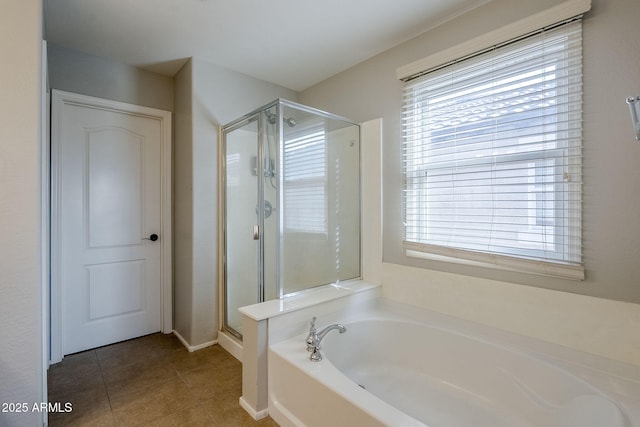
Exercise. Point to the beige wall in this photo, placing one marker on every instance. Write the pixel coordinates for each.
(182, 202)
(218, 96)
(85, 74)
(611, 155)
(21, 315)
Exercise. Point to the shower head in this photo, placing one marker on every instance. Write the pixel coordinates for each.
(271, 118)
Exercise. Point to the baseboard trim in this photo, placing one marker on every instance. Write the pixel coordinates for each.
(231, 344)
(193, 348)
(256, 415)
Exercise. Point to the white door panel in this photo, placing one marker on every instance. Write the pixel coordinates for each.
(110, 196)
(115, 289)
(115, 202)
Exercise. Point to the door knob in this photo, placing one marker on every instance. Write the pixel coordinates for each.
(152, 237)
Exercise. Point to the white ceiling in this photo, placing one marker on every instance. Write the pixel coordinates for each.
(293, 43)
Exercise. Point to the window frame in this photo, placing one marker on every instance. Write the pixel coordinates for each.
(563, 201)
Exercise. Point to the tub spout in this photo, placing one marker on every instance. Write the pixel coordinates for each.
(330, 328)
(314, 338)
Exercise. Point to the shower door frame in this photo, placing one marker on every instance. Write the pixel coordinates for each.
(257, 115)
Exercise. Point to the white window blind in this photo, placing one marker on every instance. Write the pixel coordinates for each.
(492, 157)
(305, 171)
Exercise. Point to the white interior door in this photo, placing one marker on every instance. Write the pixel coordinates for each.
(109, 196)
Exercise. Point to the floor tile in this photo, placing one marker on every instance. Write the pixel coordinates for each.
(133, 351)
(152, 380)
(85, 419)
(152, 402)
(88, 407)
(192, 417)
(133, 378)
(220, 379)
(235, 417)
(183, 360)
(76, 372)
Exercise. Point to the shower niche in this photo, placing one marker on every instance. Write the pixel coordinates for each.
(290, 187)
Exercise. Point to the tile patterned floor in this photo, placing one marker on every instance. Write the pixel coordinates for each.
(150, 381)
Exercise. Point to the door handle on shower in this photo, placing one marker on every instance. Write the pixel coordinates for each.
(256, 232)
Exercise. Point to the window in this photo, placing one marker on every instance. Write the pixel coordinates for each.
(492, 157)
(305, 170)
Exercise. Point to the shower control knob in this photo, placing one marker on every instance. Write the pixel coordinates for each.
(268, 209)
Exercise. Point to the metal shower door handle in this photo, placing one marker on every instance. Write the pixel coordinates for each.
(256, 232)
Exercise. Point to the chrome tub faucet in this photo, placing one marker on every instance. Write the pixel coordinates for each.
(314, 337)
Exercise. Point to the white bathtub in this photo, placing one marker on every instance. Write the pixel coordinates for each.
(397, 366)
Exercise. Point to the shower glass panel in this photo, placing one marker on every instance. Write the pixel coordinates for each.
(291, 191)
(320, 200)
(242, 267)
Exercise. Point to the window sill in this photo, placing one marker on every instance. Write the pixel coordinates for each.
(497, 262)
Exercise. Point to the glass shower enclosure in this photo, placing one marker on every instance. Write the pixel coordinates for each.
(291, 196)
